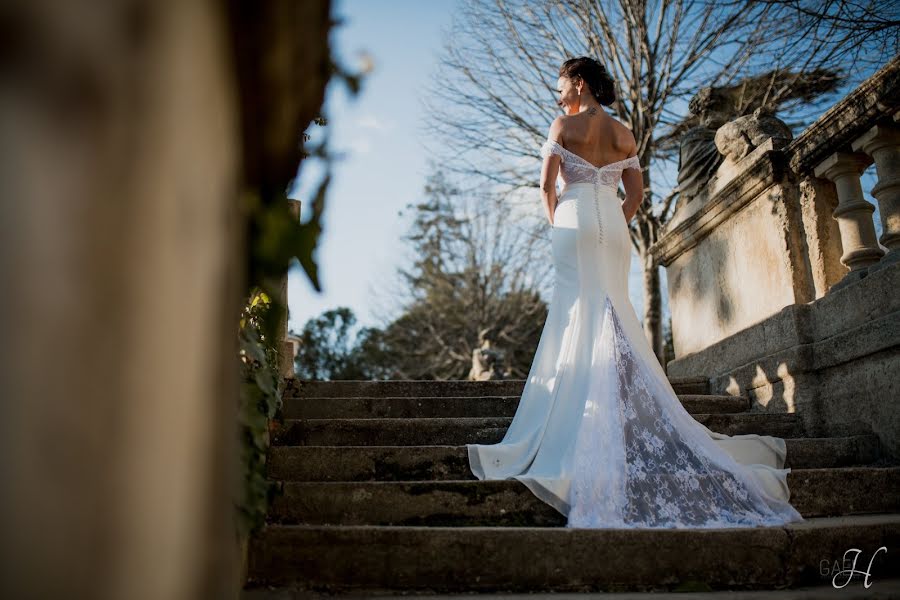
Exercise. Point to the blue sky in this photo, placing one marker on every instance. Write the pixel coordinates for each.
(383, 168)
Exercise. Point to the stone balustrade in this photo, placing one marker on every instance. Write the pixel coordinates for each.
(836, 149)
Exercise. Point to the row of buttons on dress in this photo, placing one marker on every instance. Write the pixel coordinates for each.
(597, 201)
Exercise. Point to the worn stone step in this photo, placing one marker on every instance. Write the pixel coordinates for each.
(460, 406)
(885, 589)
(482, 430)
(534, 559)
(416, 463)
(409, 388)
(388, 407)
(509, 503)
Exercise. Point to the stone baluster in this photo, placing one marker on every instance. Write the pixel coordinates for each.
(853, 213)
(882, 143)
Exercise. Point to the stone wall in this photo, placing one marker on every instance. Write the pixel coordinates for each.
(738, 257)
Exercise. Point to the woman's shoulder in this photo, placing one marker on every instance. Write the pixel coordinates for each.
(624, 135)
(563, 127)
(557, 127)
(620, 126)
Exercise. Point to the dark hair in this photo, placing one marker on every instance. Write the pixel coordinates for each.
(595, 76)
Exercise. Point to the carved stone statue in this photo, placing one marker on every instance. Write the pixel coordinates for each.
(699, 158)
(738, 138)
(486, 361)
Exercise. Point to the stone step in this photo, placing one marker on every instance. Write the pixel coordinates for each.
(510, 504)
(533, 559)
(483, 430)
(460, 406)
(884, 589)
(416, 463)
(509, 387)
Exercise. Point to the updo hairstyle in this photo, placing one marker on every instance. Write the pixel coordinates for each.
(594, 75)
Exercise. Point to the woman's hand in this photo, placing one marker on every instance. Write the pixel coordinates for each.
(548, 201)
(630, 207)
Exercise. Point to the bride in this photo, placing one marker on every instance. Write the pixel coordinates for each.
(599, 433)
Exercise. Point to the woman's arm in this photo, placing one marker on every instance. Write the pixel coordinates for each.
(633, 182)
(549, 197)
(549, 172)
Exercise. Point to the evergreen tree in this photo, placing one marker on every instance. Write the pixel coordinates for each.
(328, 348)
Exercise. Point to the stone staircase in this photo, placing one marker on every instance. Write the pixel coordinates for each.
(377, 496)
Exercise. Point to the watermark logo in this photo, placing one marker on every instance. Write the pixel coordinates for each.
(846, 569)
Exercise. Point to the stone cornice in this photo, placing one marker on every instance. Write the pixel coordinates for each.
(876, 98)
(767, 170)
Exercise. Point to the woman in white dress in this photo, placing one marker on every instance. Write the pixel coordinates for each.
(599, 433)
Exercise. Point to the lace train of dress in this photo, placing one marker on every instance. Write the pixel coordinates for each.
(599, 433)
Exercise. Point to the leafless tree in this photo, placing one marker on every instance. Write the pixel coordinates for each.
(493, 98)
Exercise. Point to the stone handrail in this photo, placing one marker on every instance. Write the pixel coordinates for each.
(876, 97)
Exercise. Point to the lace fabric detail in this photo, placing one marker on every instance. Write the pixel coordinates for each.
(577, 170)
(668, 480)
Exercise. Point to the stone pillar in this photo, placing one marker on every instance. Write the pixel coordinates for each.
(882, 143)
(818, 199)
(286, 348)
(853, 213)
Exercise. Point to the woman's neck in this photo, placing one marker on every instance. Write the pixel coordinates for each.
(591, 109)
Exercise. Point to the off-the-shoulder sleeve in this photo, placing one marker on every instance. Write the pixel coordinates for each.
(631, 162)
(551, 147)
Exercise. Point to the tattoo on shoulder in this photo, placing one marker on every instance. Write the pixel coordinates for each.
(592, 111)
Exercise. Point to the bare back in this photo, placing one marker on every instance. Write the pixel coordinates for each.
(598, 138)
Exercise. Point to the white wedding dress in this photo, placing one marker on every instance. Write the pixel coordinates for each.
(599, 433)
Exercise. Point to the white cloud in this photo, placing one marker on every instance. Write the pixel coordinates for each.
(360, 145)
(373, 122)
